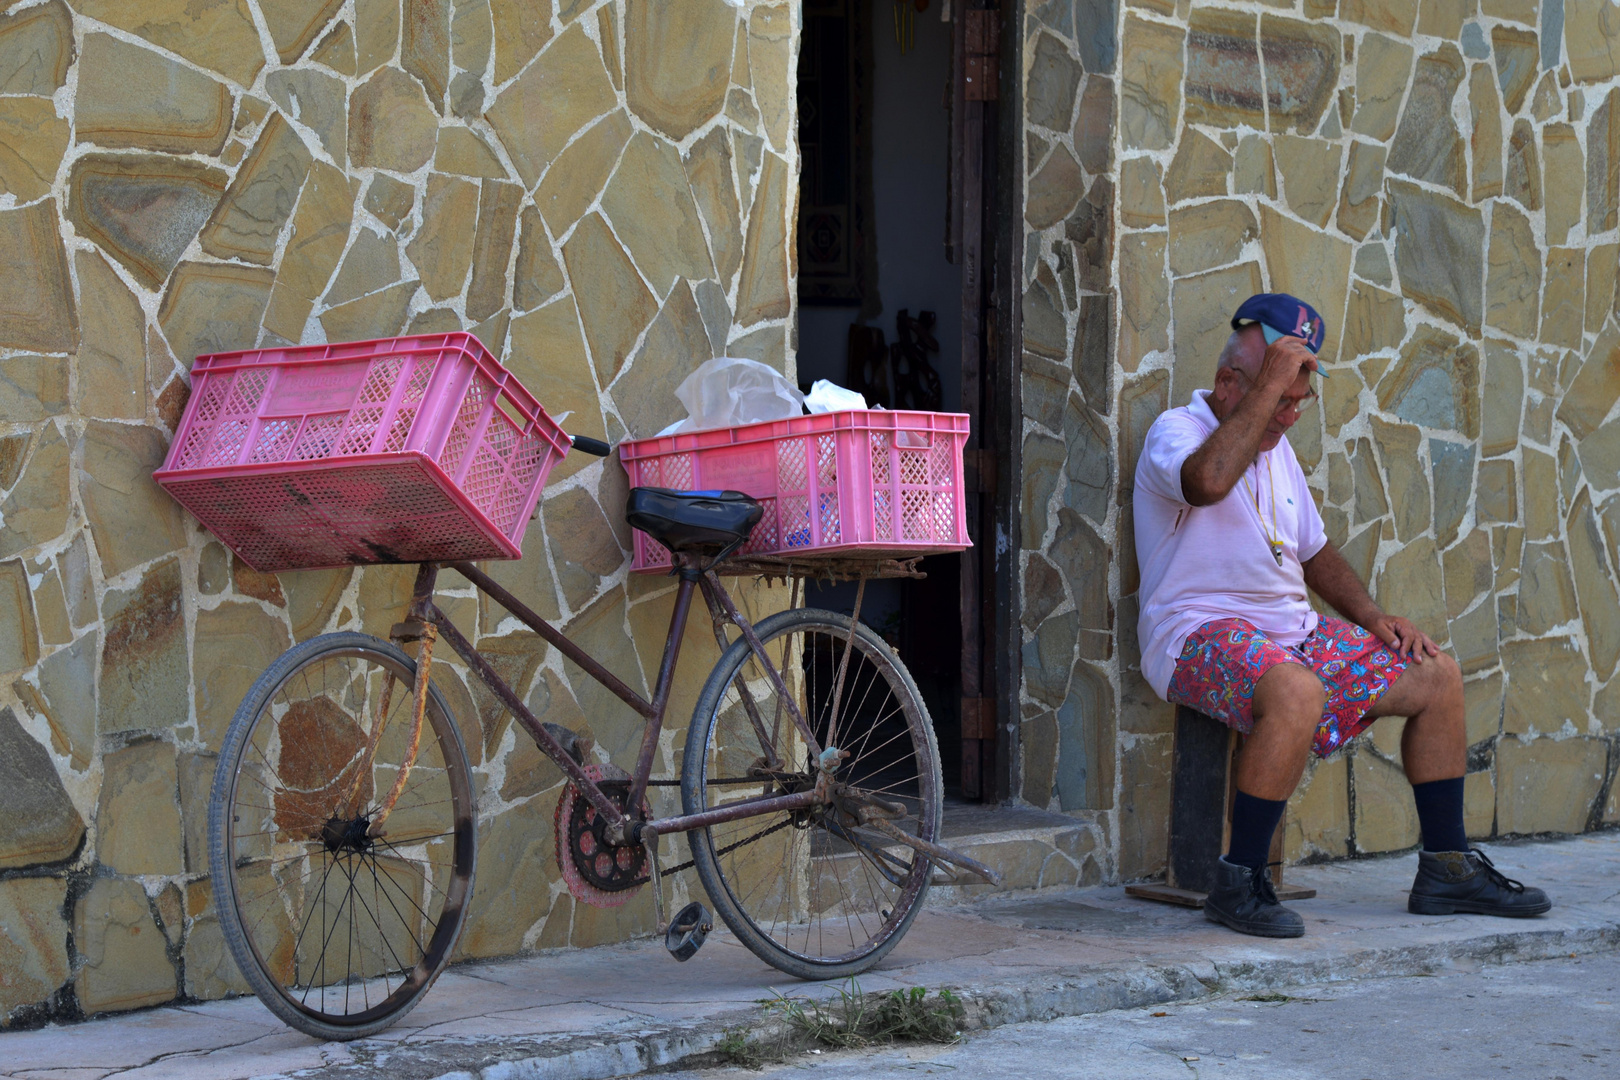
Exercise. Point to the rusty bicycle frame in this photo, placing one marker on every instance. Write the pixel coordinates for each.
(425, 622)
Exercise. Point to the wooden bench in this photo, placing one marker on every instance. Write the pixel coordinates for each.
(1201, 794)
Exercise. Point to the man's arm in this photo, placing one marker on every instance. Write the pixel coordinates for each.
(1215, 468)
(1332, 578)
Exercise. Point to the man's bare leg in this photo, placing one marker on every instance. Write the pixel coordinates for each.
(1287, 706)
(1434, 745)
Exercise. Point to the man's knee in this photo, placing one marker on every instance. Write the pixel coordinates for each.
(1291, 693)
(1437, 678)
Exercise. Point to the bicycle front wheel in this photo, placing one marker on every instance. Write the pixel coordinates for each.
(339, 922)
(807, 891)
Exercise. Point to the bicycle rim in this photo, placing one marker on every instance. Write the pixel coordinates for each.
(806, 892)
(340, 932)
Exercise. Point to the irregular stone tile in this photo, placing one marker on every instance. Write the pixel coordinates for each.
(548, 350)
(248, 221)
(1310, 171)
(1358, 200)
(1223, 81)
(1202, 309)
(1546, 685)
(1374, 321)
(607, 33)
(1305, 262)
(1052, 80)
(465, 154)
(1144, 804)
(1370, 503)
(1547, 102)
(379, 315)
(216, 34)
(492, 246)
(33, 941)
(1383, 69)
(1093, 30)
(675, 344)
(390, 123)
(1039, 483)
(1150, 84)
(1144, 294)
(1603, 166)
(522, 28)
(256, 583)
(137, 818)
(1504, 397)
(770, 57)
(1513, 274)
(678, 62)
(133, 97)
(1546, 593)
(1468, 574)
(1048, 657)
(1086, 465)
(37, 508)
(1302, 71)
(1090, 228)
(1201, 167)
(33, 139)
(1593, 567)
(143, 210)
(1564, 301)
(1210, 234)
(36, 49)
(312, 598)
(553, 98)
(144, 677)
(389, 200)
(1386, 819)
(1438, 251)
(1485, 134)
(20, 650)
(372, 264)
(1054, 190)
(1497, 501)
(614, 303)
(33, 388)
(425, 46)
(320, 229)
(1252, 171)
(762, 290)
(1596, 386)
(1600, 457)
(1141, 194)
(709, 173)
(213, 307)
(583, 546)
(133, 520)
(1601, 273)
(1086, 737)
(315, 100)
(1435, 383)
(336, 50)
(234, 644)
(1393, 16)
(650, 204)
(748, 150)
(124, 954)
(36, 295)
(1548, 785)
(1043, 589)
(38, 822)
(1412, 584)
(1514, 54)
(1590, 41)
(443, 247)
(1399, 446)
(1094, 126)
(1523, 181)
(1427, 144)
(536, 276)
(1045, 328)
(528, 771)
(1453, 465)
(580, 171)
(112, 351)
(1092, 362)
(1562, 154)
(1443, 18)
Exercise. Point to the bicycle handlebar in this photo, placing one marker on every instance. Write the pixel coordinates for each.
(591, 446)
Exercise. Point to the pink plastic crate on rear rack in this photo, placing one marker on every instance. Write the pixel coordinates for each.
(841, 483)
(409, 449)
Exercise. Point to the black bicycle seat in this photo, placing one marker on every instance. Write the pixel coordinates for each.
(693, 521)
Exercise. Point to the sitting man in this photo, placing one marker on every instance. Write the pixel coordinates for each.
(1228, 538)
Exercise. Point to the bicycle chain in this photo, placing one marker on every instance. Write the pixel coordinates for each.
(689, 863)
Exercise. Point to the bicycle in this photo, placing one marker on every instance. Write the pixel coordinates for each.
(343, 813)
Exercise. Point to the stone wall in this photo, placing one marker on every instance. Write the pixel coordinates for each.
(1441, 178)
(602, 190)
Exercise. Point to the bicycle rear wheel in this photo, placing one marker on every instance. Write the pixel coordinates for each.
(340, 932)
(807, 892)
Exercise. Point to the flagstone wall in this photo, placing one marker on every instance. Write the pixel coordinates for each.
(1441, 179)
(602, 190)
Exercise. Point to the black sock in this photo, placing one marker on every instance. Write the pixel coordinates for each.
(1440, 813)
(1254, 820)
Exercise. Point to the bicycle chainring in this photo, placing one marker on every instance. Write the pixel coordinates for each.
(596, 871)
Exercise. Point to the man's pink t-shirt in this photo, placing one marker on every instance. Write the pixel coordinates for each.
(1201, 563)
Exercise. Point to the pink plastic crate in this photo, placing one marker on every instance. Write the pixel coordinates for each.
(410, 449)
(865, 480)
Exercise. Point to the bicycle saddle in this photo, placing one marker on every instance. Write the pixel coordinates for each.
(695, 521)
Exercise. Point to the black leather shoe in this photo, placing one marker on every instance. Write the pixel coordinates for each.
(1465, 882)
(1244, 900)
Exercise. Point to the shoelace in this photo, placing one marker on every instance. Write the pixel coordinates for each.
(1263, 890)
(1496, 876)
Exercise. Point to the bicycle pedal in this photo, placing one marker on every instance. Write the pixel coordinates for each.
(688, 930)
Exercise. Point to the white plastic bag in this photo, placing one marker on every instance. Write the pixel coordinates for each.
(826, 396)
(729, 391)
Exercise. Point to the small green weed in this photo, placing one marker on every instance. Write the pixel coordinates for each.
(855, 1019)
(735, 1048)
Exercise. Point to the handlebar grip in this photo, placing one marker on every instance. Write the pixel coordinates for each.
(591, 446)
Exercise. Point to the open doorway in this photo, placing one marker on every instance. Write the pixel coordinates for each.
(880, 299)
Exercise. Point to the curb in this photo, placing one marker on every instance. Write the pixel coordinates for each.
(600, 1057)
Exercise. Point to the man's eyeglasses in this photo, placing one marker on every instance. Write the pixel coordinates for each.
(1298, 406)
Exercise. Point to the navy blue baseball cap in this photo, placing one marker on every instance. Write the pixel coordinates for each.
(1281, 315)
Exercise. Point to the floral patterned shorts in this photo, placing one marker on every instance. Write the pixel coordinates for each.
(1223, 660)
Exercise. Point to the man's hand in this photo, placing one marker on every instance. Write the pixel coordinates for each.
(1281, 364)
(1407, 640)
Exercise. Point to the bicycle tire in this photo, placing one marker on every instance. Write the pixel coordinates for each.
(290, 744)
(768, 923)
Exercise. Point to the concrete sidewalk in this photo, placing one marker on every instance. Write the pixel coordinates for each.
(616, 1011)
